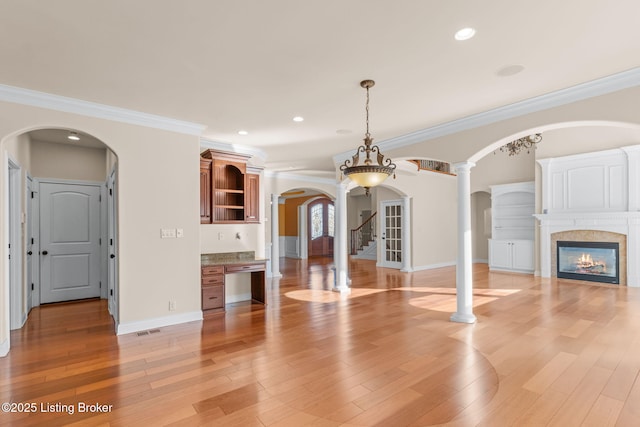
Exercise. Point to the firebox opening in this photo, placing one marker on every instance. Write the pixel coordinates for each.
(593, 261)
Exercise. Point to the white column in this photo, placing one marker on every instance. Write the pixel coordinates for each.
(340, 242)
(275, 238)
(464, 276)
(406, 234)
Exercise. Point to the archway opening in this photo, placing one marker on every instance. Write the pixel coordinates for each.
(67, 202)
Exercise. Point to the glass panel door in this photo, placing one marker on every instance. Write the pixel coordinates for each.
(392, 234)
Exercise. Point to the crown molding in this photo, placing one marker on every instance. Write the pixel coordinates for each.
(65, 104)
(232, 148)
(298, 177)
(579, 92)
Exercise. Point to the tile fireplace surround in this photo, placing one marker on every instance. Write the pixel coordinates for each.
(592, 197)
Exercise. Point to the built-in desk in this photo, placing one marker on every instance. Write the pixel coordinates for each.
(213, 269)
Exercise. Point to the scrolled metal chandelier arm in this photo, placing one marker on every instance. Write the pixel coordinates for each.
(525, 143)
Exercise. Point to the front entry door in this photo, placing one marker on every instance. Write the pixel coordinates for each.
(69, 237)
(391, 224)
(321, 227)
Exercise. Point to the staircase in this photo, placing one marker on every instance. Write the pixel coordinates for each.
(363, 240)
(369, 251)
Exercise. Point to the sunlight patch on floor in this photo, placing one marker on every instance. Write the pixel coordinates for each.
(446, 303)
(319, 295)
(441, 299)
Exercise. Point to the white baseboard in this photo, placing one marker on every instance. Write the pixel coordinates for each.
(4, 348)
(432, 266)
(158, 322)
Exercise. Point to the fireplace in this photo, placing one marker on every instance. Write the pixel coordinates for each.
(593, 261)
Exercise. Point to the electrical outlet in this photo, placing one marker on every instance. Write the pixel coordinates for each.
(179, 233)
(220, 236)
(172, 306)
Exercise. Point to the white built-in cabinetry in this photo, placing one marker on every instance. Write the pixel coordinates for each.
(512, 227)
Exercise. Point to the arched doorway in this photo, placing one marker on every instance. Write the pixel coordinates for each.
(294, 222)
(68, 192)
(321, 227)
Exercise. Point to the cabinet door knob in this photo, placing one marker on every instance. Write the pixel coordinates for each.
(112, 256)
(44, 252)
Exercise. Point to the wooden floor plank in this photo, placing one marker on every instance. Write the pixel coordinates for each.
(543, 353)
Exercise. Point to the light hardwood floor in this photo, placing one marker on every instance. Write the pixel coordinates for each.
(543, 353)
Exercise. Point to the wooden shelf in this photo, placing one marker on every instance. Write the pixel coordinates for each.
(228, 192)
(229, 207)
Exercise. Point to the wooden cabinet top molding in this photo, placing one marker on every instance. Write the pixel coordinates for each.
(224, 155)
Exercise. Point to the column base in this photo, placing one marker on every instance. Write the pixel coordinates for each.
(463, 318)
(342, 291)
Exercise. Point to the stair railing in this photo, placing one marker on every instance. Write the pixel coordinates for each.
(364, 234)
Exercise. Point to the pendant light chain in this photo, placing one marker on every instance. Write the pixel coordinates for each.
(368, 135)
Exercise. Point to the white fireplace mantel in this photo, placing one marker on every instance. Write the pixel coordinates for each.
(594, 191)
(627, 223)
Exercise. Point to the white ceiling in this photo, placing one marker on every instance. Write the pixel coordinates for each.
(253, 65)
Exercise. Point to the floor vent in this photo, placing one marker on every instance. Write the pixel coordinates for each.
(154, 331)
(141, 333)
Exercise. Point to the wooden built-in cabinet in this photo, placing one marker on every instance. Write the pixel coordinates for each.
(212, 288)
(228, 193)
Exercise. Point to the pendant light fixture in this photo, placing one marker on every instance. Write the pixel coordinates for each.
(367, 173)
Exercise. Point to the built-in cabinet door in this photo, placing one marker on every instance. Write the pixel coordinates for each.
(500, 254)
(522, 252)
(512, 255)
(252, 198)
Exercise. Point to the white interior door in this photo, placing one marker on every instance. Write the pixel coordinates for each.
(69, 241)
(30, 241)
(16, 287)
(391, 233)
(112, 247)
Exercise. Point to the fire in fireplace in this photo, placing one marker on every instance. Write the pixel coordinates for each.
(594, 261)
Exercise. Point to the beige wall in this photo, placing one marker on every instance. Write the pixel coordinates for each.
(474, 143)
(480, 203)
(433, 215)
(158, 188)
(66, 161)
(500, 168)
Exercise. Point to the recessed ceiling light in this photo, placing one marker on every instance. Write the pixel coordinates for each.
(73, 136)
(465, 33)
(243, 132)
(298, 119)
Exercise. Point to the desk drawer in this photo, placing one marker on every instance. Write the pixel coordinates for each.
(241, 268)
(218, 279)
(211, 270)
(213, 297)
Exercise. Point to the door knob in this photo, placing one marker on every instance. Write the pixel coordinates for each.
(44, 252)
(30, 253)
